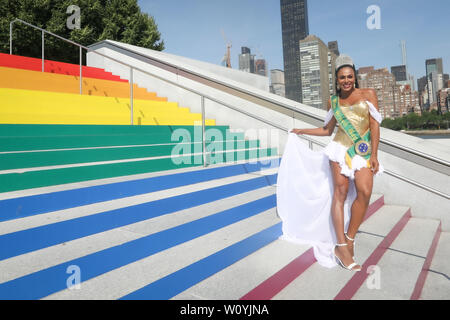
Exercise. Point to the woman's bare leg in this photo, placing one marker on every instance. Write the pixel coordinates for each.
(363, 184)
(341, 183)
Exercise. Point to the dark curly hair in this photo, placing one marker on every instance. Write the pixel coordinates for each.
(338, 91)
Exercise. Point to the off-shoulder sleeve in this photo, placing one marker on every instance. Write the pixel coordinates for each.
(374, 112)
(328, 117)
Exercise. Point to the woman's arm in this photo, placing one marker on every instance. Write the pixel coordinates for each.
(326, 130)
(374, 131)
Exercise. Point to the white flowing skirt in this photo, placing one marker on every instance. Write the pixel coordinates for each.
(304, 195)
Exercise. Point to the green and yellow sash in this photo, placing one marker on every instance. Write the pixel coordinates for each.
(361, 145)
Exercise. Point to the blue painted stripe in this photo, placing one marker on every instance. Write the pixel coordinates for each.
(45, 282)
(20, 242)
(181, 280)
(37, 204)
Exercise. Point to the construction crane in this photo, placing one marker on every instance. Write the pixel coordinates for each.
(227, 57)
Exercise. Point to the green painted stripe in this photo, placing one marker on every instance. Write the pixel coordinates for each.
(35, 179)
(52, 158)
(25, 130)
(64, 137)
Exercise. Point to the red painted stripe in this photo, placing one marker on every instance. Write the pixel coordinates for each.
(34, 64)
(273, 285)
(426, 266)
(352, 286)
(277, 282)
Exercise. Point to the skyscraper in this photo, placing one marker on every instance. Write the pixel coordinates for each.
(277, 82)
(434, 73)
(333, 53)
(316, 64)
(434, 65)
(294, 24)
(422, 89)
(245, 50)
(261, 67)
(334, 47)
(246, 60)
(399, 73)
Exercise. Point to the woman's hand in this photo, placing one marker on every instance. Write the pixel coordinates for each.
(297, 131)
(374, 165)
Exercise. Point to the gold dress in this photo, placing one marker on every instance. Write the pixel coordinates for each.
(359, 116)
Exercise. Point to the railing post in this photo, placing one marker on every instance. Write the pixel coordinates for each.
(310, 144)
(203, 132)
(43, 50)
(81, 70)
(131, 94)
(10, 36)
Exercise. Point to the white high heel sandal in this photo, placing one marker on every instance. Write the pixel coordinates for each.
(354, 244)
(350, 267)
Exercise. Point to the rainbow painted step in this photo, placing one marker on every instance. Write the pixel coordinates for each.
(39, 107)
(13, 78)
(28, 137)
(44, 155)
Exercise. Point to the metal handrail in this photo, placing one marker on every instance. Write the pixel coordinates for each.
(418, 184)
(204, 96)
(43, 45)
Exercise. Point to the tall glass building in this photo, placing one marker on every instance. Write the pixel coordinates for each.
(246, 60)
(434, 70)
(399, 73)
(433, 65)
(294, 24)
(315, 78)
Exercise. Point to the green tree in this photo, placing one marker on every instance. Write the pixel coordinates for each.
(119, 20)
(413, 121)
(429, 120)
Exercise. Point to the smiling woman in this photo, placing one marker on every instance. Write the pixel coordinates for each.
(322, 197)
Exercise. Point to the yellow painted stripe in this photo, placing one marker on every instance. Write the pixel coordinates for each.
(39, 107)
(98, 120)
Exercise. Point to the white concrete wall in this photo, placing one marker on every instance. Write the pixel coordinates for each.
(422, 202)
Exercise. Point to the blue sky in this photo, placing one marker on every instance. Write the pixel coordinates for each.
(192, 28)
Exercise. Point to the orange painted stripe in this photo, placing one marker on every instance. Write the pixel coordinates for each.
(44, 81)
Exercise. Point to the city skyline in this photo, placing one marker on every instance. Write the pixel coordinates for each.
(257, 25)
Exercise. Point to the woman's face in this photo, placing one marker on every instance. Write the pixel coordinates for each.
(346, 79)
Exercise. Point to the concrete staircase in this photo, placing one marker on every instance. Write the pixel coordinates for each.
(201, 233)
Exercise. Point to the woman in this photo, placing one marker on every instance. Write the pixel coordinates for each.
(352, 158)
